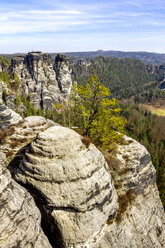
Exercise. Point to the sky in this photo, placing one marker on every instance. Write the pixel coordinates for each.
(81, 25)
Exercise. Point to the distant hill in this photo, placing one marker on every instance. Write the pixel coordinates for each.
(146, 57)
(125, 77)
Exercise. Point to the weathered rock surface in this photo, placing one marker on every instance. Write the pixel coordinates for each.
(8, 116)
(40, 81)
(63, 74)
(73, 188)
(140, 221)
(73, 182)
(17, 135)
(20, 219)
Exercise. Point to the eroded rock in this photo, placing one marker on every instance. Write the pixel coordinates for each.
(74, 191)
(15, 137)
(63, 74)
(38, 79)
(140, 221)
(8, 116)
(71, 182)
(20, 219)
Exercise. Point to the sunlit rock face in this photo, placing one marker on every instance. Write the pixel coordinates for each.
(72, 185)
(8, 116)
(63, 74)
(73, 182)
(140, 221)
(20, 219)
(39, 79)
(17, 135)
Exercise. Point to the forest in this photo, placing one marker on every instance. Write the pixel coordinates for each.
(126, 78)
(133, 84)
(149, 130)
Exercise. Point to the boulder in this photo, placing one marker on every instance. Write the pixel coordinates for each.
(71, 184)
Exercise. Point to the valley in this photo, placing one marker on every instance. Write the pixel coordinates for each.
(156, 110)
(85, 159)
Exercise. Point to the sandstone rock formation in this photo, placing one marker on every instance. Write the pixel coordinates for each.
(40, 81)
(71, 182)
(73, 187)
(63, 74)
(140, 221)
(20, 132)
(20, 219)
(8, 116)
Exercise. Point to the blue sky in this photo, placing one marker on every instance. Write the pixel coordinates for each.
(63, 26)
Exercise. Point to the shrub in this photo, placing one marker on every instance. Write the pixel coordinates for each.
(124, 201)
(86, 141)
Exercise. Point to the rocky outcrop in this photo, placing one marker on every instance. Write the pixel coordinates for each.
(20, 219)
(39, 80)
(73, 187)
(8, 116)
(71, 182)
(15, 137)
(63, 74)
(140, 221)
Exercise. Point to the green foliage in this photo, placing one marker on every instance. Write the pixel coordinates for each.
(30, 109)
(4, 95)
(16, 83)
(100, 118)
(94, 113)
(149, 130)
(125, 77)
(17, 100)
(4, 61)
(13, 82)
(5, 77)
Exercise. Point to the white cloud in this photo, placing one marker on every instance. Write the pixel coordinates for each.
(114, 22)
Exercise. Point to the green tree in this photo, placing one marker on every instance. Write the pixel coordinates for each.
(96, 114)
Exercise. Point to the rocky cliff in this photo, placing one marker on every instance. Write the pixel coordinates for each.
(86, 199)
(19, 217)
(74, 189)
(39, 79)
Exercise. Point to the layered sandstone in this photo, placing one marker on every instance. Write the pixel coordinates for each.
(40, 81)
(73, 187)
(20, 219)
(73, 182)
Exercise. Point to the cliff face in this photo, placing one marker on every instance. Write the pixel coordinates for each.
(76, 190)
(86, 199)
(19, 217)
(63, 75)
(45, 83)
(7, 116)
(73, 187)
